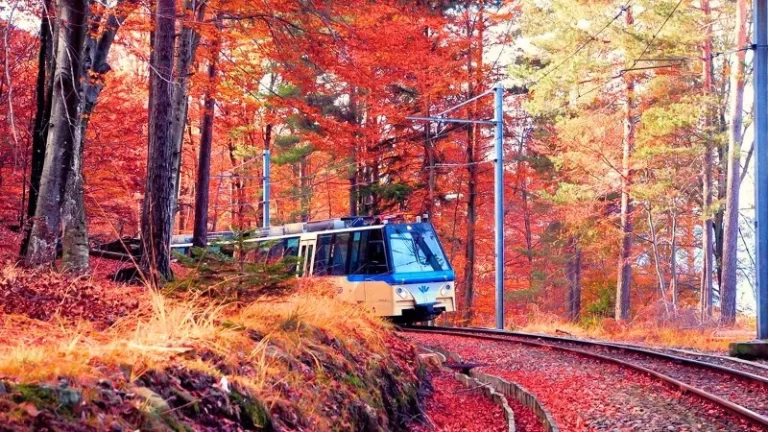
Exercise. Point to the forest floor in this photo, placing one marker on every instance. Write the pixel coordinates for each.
(89, 354)
(585, 394)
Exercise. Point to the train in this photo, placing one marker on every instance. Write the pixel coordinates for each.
(398, 270)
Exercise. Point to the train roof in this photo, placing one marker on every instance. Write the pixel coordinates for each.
(353, 223)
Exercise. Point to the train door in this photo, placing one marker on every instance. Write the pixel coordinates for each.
(307, 256)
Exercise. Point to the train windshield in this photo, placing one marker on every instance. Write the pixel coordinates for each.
(415, 248)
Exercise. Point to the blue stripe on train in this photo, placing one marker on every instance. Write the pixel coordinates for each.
(406, 278)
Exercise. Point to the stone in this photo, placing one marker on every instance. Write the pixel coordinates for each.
(3, 389)
(431, 361)
(155, 401)
(110, 397)
(68, 396)
(751, 350)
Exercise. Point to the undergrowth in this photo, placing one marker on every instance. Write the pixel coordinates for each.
(682, 330)
(296, 362)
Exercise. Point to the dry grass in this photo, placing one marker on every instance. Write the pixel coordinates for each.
(685, 335)
(34, 351)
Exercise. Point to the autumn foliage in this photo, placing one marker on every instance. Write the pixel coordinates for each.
(327, 86)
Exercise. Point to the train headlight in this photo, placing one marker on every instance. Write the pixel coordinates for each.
(402, 293)
(445, 290)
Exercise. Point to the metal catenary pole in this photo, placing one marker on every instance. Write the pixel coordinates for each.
(498, 201)
(498, 123)
(761, 163)
(266, 189)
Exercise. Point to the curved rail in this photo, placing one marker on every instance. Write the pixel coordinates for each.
(498, 336)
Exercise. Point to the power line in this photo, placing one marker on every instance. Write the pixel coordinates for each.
(648, 45)
(583, 45)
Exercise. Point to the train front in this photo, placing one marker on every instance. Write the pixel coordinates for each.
(421, 279)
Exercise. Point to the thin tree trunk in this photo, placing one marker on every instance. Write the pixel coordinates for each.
(673, 259)
(573, 274)
(730, 241)
(200, 234)
(304, 188)
(189, 39)
(657, 258)
(429, 160)
(526, 211)
(44, 92)
(474, 78)
(624, 279)
(156, 220)
(237, 197)
(353, 186)
(71, 32)
(469, 251)
(706, 175)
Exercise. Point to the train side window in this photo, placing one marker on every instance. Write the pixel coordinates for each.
(291, 247)
(375, 254)
(276, 252)
(260, 252)
(340, 254)
(303, 260)
(322, 254)
(307, 263)
(357, 254)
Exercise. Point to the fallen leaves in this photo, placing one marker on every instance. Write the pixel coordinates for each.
(45, 295)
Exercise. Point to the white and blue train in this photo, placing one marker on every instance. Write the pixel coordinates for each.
(398, 270)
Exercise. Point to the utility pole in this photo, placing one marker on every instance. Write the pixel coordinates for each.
(498, 201)
(265, 207)
(498, 188)
(761, 163)
(759, 348)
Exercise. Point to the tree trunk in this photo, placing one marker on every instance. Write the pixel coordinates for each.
(156, 218)
(673, 259)
(200, 235)
(474, 78)
(469, 251)
(624, 279)
(429, 165)
(573, 274)
(237, 191)
(74, 239)
(74, 223)
(706, 175)
(189, 39)
(304, 189)
(657, 258)
(526, 210)
(71, 32)
(353, 186)
(731, 231)
(46, 65)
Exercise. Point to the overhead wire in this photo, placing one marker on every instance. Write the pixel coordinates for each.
(591, 39)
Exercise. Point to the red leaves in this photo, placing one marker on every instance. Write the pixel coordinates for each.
(44, 295)
(453, 407)
(586, 394)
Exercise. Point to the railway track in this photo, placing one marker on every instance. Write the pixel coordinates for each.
(737, 386)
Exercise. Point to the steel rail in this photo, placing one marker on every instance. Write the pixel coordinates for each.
(497, 336)
(616, 346)
(715, 356)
